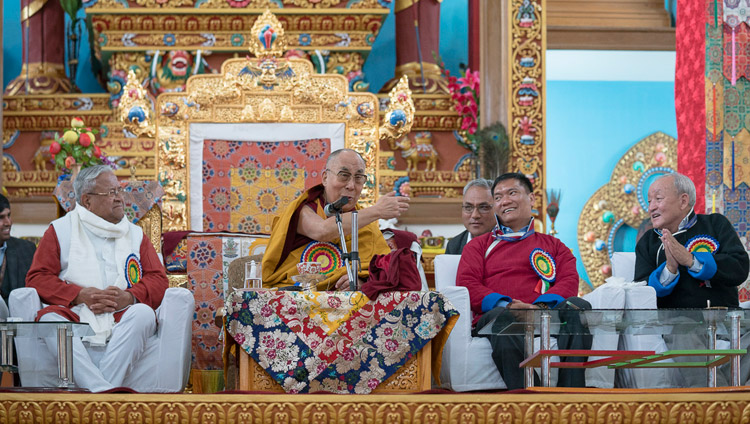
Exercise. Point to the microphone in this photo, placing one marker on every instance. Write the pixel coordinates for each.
(332, 209)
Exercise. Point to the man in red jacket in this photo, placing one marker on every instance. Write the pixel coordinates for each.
(94, 266)
(514, 268)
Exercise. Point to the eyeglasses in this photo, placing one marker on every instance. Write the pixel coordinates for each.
(344, 177)
(483, 208)
(112, 193)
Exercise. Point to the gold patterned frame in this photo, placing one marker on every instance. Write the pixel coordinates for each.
(269, 89)
(622, 201)
(547, 405)
(527, 44)
(228, 98)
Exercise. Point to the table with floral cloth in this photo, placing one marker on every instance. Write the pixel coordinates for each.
(338, 342)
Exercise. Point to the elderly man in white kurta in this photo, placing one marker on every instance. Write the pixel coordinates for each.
(94, 266)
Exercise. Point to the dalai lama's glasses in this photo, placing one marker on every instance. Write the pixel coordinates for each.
(112, 193)
(344, 177)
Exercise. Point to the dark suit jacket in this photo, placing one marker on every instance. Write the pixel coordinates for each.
(456, 244)
(18, 256)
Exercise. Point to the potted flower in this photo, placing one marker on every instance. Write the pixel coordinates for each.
(76, 148)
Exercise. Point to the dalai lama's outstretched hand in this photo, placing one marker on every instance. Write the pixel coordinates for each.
(392, 206)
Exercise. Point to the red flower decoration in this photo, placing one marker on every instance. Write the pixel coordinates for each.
(464, 92)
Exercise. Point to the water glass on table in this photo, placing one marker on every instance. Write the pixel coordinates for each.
(253, 275)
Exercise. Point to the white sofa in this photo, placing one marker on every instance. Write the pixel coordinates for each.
(467, 361)
(171, 345)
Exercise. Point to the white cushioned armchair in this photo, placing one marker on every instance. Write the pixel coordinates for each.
(171, 344)
(467, 361)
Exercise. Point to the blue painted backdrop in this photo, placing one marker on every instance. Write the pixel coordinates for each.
(590, 125)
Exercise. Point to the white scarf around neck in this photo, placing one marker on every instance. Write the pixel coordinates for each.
(85, 268)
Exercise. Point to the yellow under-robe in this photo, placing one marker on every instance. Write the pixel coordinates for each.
(277, 271)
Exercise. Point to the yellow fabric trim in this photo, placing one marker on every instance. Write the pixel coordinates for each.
(207, 381)
(329, 319)
(371, 242)
(31, 9)
(438, 342)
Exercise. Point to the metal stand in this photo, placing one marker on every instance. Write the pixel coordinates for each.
(545, 345)
(6, 350)
(528, 351)
(351, 259)
(545, 321)
(65, 355)
(735, 344)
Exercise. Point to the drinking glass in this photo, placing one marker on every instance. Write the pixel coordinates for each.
(253, 275)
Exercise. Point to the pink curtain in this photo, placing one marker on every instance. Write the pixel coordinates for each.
(690, 105)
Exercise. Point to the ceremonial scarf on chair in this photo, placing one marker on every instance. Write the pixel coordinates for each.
(84, 267)
(285, 246)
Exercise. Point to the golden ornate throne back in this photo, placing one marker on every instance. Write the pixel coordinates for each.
(237, 146)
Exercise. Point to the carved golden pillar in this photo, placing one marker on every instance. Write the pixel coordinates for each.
(512, 52)
(43, 69)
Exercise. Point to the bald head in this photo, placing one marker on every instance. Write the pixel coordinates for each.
(333, 157)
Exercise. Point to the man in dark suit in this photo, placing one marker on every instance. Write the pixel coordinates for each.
(15, 254)
(476, 214)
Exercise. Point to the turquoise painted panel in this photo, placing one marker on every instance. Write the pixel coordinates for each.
(590, 125)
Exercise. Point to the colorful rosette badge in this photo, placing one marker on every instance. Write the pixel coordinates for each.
(545, 268)
(702, 243)
(327, 254)
(133, 270)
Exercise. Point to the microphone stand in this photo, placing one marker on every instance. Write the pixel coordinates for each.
(351, 260)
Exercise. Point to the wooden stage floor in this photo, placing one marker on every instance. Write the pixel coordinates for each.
(722, 405)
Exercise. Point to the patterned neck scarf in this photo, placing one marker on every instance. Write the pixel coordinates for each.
(501, 232)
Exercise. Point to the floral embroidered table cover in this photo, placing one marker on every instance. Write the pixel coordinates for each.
(338, 342)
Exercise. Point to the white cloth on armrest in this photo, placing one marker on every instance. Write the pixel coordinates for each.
(606, 296)
(641, 296)
(623, 265)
